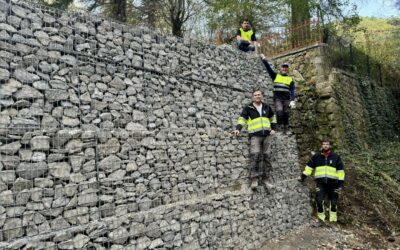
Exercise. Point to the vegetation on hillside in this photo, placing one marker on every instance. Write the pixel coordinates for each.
(372, 189)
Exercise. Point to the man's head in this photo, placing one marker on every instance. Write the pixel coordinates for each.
(257, 96)
(326, 145)
(246, 24)
(284, 68)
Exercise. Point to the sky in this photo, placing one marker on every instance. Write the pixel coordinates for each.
(376, 8)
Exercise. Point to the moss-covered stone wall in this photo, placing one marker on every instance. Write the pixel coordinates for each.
(352, 110)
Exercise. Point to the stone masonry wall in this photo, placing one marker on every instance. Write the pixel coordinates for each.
(113, 137)
(351, 109)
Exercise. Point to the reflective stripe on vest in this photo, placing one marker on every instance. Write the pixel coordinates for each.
(308, 171)
(327, 172)
(282, 83)
(241, 121)
(246, 35)
(258, 124)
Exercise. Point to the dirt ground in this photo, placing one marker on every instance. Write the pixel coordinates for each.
(332, 236)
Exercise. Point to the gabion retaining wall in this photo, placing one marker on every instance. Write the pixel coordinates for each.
(114, 137)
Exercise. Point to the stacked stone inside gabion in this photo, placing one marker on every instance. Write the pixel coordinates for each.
(114, 137)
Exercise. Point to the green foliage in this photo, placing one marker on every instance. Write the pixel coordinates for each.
(226, 15)
(372, 192)
(59, 4)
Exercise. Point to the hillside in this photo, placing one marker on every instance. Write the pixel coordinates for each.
(368, 210)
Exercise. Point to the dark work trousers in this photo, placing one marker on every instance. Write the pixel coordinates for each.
(245, 46)
(329, 190)
(260, 150)
(282, 111)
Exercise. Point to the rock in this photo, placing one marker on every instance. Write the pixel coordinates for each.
(7, 176)
(25, 77)
(12, 229)
(7, 198)
(19, 11)
(59, 224)
(70, 122)
(81, 27)
(117, 83)
(43, 37)
(138, 116)
(155, 184)
(40, 143)
(144, 204)
(74, 146)
(153, 230)
(60, 170)
(88, 199)
(80, 241)
(7, 27)
(143, 243)
(117, 175)
(43, 183)
(156, 243)
(112, 146)
(10, 148)
(4, 74)
(70, 60)
(30, 171)
(65, 135)
(119, 235)
(28, 92)
(110, 163)
(38, 156)
(54, 95)
(136, 129)
(159, 113)
(131, 166)
(62, 236)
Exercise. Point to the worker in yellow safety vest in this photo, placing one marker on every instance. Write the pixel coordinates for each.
(246, 37)
(284, 93)
(329, 175)
(260, 121)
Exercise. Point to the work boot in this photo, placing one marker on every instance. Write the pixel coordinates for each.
(254, 184)
(321, 216)
(332, 216)
(285, 129)
(279, 128)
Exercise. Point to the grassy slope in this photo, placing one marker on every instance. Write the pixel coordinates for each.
(372, 190)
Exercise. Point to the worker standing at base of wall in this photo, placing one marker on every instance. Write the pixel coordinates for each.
(284, 93)
(329, 175)
(260, 121)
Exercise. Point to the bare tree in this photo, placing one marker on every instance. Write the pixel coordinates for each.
(176, 13)
(115, 9)
(148, 11)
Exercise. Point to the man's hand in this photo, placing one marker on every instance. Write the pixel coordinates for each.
(292, 104)
(235, 132)
(263, 57)
(272, 132)
(302, 178)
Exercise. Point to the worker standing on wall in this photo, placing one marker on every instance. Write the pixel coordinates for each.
(329, 175)
(260, 121)
(284, 93)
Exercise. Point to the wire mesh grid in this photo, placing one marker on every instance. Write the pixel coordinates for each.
(108, 142)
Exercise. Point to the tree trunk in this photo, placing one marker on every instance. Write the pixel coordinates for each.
(120, 10)
(300, 26)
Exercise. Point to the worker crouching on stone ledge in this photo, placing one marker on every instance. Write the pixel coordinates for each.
(260, 121)
(329, 175)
